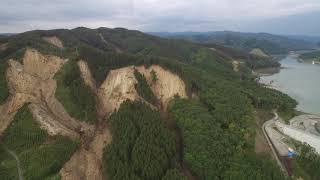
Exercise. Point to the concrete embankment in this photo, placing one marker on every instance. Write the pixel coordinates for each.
(300, 135)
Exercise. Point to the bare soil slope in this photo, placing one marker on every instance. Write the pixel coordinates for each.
(32, 82)
(119, 86)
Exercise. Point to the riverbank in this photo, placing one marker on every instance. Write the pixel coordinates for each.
(309, 61)
(298, 80)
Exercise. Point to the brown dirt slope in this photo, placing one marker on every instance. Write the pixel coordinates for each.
(32, 82)
(120, 86)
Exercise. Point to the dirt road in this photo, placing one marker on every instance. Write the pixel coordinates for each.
(13, 154)
(274, 141)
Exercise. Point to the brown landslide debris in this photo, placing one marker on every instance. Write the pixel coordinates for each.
(120, 86)
(32, 82)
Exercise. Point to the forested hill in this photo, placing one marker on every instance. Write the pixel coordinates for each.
(269, 43)
(120, 104)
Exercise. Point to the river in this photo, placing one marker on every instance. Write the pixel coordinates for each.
(300, 81)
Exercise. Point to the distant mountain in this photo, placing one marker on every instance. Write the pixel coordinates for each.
(312, 39)
(269, 43)
(7, 34)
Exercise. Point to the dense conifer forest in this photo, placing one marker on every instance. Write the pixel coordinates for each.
(216, 122)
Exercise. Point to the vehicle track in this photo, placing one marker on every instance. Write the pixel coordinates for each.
(274, 150)
(14, 155)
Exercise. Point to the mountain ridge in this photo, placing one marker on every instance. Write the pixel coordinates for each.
(138, 106)
(246, 41)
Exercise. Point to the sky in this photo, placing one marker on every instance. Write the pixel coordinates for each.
(299, 17)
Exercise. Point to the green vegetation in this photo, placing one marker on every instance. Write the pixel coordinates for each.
(173, 174)
(75, 96)
(269, 99)
(142, 147)
(311, 55)
(218, 128)
(40, 156)
(308, 161)
(250, 60)
(271, 44)
(143, 88)
(205, 59)
(154, 76)
(201, 134)
(249, 166)
(4, 92)
(216, 151)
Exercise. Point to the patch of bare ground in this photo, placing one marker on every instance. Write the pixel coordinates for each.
(236, 65)
(32, 82)
(87, 76)
(119, 86)
(3, 46)
(87, 163)
(54, 41)
(166, 85)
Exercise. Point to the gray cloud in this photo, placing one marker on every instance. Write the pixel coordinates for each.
(147, 15)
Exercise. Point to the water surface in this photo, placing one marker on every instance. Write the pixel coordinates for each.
(300, 81)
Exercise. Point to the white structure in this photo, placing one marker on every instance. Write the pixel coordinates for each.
(300, 135)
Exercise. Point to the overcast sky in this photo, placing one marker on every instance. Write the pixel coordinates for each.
(274, 16)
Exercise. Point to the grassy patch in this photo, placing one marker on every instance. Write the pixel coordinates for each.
(76, 97)
(40, 156)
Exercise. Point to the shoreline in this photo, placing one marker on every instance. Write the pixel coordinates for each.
(271, 85)
(267, 71)
(309, 61)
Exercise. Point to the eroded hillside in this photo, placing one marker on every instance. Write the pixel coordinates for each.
(32, 81)
(103, 104)
(119, 86)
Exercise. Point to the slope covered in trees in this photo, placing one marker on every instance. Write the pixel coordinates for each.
(216, 121)
(215, 150)
(142, 147)
(40, 155)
